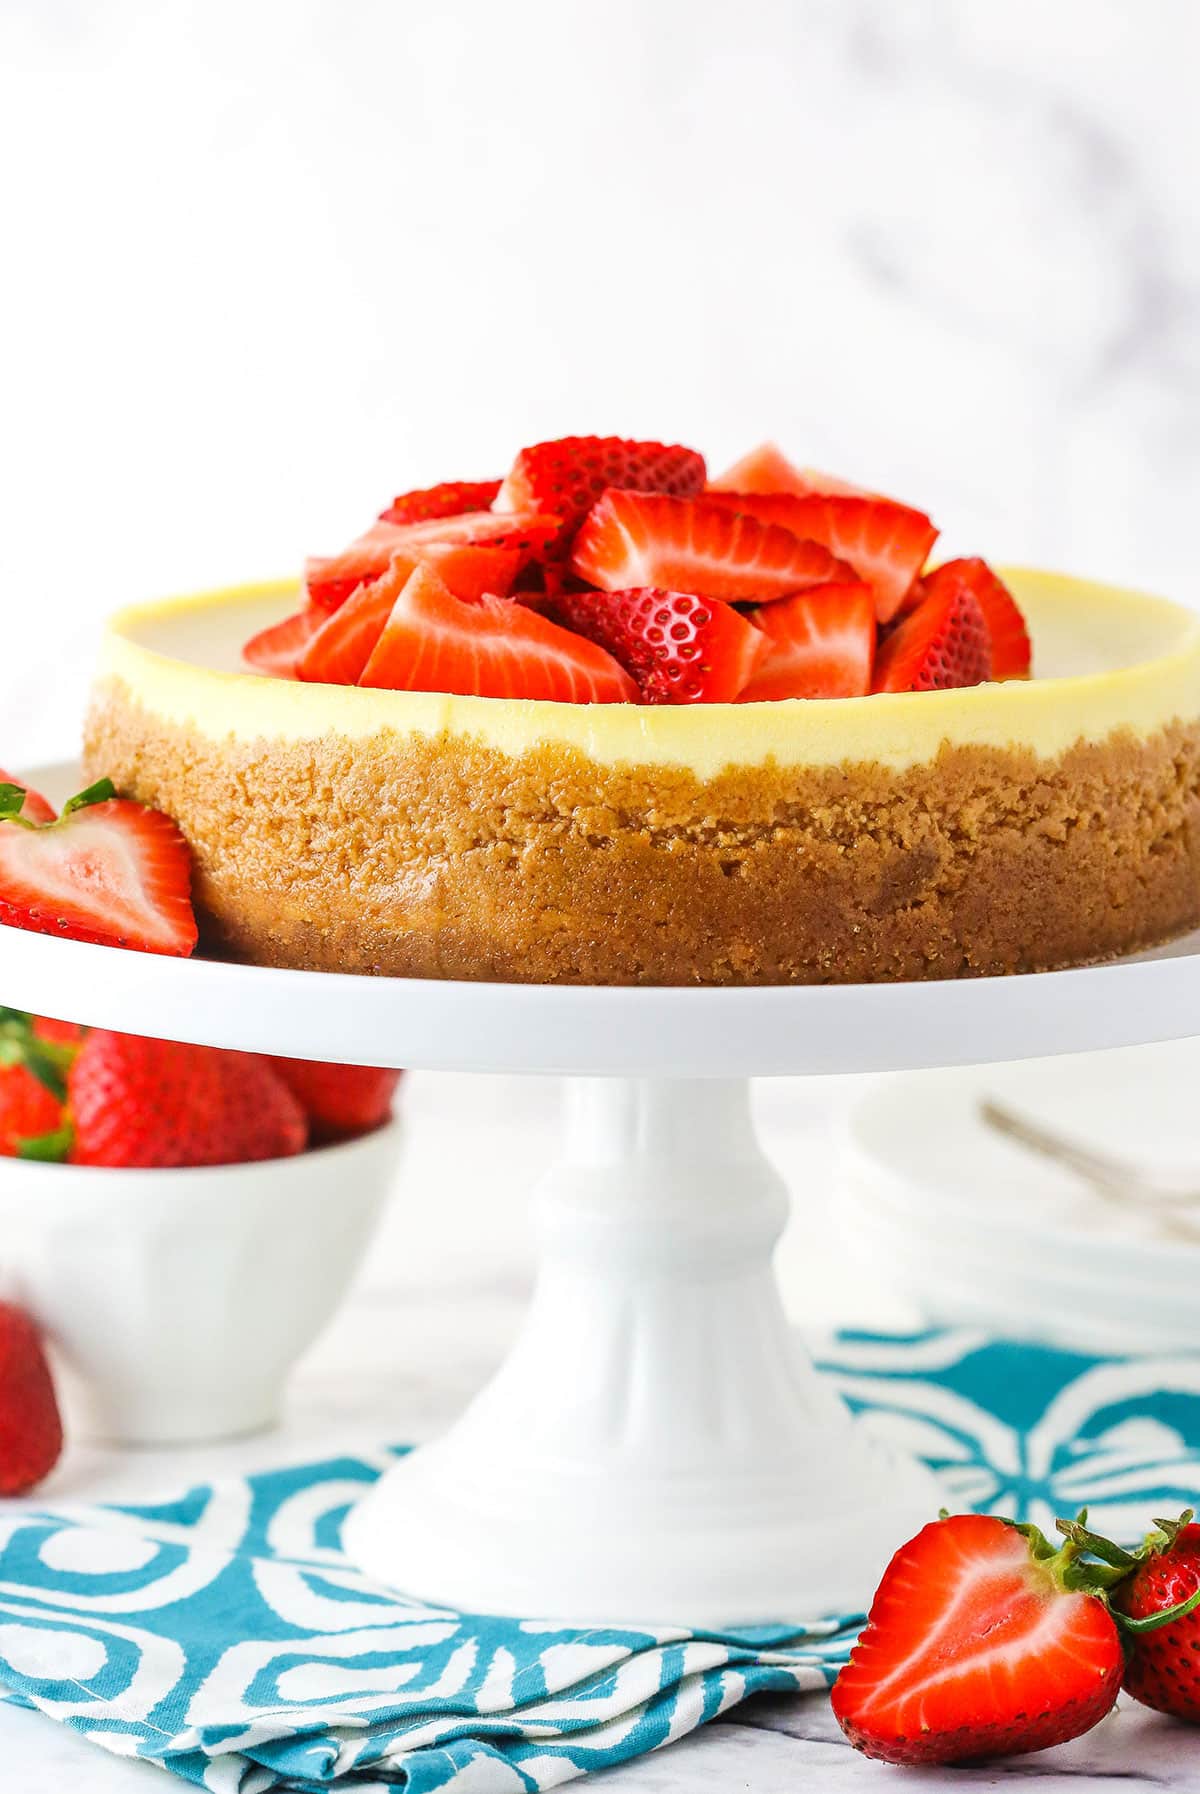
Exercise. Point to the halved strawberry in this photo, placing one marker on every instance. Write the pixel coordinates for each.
(821, 644)
(629, 541)
(279, 648)
(767, 469)
(679, 648)
(495, 648)
(942, 643)
(982, 1641)
(330, 582)
(568, 476)
(34, 807)
(450, 499)
(109, 870)
(1011, 651)
(885, 543)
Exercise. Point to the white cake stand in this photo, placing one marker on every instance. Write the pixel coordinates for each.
(655, 1448)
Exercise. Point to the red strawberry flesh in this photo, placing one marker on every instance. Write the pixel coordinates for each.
(943, 643)
(450, 499)
(279, 649)
(1011, 651)
(113, 872)
(565, 478)
(330, 582)
(975, 1647)
(767, 469)
(629, 541)
(680, 649)
(35, 807)
(820, 644)
(496, 648)
(885, 543)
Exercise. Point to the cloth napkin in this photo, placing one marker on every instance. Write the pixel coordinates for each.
(224, 1635)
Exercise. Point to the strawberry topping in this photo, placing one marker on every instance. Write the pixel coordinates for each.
(109, 870)
(885, 543)
(565, 478)
(330, 582)
(495, 648)
(767, 469)
(279, 649)
(1011, 651)
(942, 643)
(694, 545)
(679, 648)
(450, 499)
(821, 644)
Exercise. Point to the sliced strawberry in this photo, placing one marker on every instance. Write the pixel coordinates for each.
(942, 643)
(35, 807)
(568, 476)
(330, 582)
(450, 499)
(1011, 651)
(495, 648)
(341, 648)
(821, 644)
(767, 469)
(886, 544)
(982, 1641)
(279, 649)
(629, 542)
(679, 648)
(109, 870)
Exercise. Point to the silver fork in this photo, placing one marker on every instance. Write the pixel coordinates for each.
(1168, 1195)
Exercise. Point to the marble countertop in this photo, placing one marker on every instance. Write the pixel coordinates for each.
(433, 1310)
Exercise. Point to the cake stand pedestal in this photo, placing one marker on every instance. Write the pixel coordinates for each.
(656, 1448)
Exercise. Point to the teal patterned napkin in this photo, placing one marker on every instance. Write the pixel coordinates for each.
(224, 1635)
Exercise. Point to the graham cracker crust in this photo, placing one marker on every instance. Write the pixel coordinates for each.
(445, 858)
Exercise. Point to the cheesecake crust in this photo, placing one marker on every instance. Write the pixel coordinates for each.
(444, 857)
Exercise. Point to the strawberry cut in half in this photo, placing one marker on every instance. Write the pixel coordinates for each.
(109, 870)
(450, 499)
(494, 648)
(565, 478)
(629, 541)
(34, 807)
(1012, 653)
(821, 644)
(886, 544)
(982, 1641)
(943, 643)
(279, 649)
(330, 582)
(767, 469)
(679, 648)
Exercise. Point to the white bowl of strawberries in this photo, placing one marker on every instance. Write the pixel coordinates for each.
(180, 1221)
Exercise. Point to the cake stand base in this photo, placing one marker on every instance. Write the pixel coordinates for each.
(656, 1449)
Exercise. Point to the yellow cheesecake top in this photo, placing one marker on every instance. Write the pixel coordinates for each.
(1104, 658)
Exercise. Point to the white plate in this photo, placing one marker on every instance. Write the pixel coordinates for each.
(975, 1228)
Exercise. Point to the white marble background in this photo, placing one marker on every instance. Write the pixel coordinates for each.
(264, 264)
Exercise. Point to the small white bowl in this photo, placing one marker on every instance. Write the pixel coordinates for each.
(182, 1298)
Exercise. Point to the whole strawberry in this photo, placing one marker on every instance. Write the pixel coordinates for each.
(33, 1072)
(339, 1100)
(982, 1640)
(134, 1101)
(1163, 1670)
(30, 1427)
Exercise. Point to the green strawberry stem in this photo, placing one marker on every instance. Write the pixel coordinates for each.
(48, 1061)
(1153, 1621)
(52, 1148)
(1097, 1544)
(98, 793)
(11, 799)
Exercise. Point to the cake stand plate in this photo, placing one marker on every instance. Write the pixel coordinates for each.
(656, 1448)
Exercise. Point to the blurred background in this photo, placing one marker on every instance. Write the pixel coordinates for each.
(265, 266)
